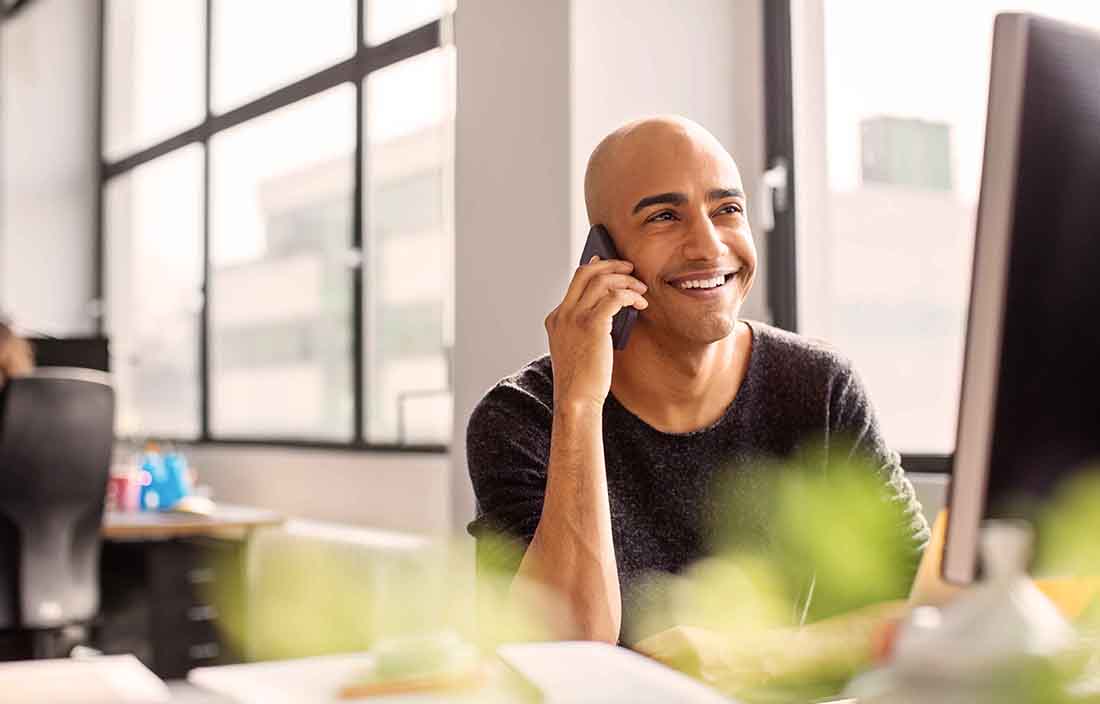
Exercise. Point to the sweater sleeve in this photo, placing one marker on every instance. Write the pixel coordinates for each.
(852, 416)
(507, 453)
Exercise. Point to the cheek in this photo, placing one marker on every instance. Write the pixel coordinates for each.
(648, 275)
(744, 247)
(648, 263)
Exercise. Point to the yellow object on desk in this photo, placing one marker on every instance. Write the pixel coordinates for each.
(473, 678)
(1070, 594)
(440, 662)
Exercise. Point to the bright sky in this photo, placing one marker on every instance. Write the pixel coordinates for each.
(258, 46)
(927, 60)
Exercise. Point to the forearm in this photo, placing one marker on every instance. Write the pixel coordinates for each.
(572, 551)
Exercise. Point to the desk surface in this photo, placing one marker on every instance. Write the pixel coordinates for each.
(226, 519)
(563, 673)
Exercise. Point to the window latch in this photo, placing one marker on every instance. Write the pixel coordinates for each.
(774, 192)
(353, 258)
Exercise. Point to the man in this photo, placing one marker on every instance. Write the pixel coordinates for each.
(600, 461)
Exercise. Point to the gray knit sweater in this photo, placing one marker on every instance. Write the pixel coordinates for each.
(660, 485)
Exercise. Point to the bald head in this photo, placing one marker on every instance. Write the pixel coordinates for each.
(672, 200)
(635, 150)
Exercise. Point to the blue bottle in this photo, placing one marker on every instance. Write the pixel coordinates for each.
(175, 479)
(152, 477)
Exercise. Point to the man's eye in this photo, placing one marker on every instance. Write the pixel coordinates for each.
(730, 209)
(664, 215)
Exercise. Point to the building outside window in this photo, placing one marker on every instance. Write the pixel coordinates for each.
(278, 220)
(887, 110)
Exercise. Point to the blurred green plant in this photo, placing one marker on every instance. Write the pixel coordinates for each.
(827, 527)
(732, 618)
(305, 597)
(812, 540)
(1068, 526)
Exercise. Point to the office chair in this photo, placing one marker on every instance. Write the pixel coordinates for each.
(56, 437)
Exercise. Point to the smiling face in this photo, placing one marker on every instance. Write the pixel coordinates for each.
(673, 201)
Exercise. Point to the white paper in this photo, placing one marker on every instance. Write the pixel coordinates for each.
(597, 673)
(107, 679)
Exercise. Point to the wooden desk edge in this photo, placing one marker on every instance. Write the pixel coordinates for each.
(182, 527)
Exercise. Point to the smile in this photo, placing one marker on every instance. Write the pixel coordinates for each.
(704, 284)
(713, 282)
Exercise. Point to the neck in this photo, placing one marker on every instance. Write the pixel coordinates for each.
(679, 388)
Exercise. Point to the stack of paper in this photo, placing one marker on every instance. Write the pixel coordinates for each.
(597, 673)
(108, 679)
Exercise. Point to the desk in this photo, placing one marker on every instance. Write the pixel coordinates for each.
(551, 673)
(226, 521)
(159, 573)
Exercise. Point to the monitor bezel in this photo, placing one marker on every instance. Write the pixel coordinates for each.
(988, 287)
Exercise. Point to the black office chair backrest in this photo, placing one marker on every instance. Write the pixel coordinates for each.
(56, 437)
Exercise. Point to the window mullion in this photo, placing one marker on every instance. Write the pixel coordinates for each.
(204, 324)
(358, 241)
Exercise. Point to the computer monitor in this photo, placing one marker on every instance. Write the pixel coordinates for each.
(82, 352)
(1029, 414)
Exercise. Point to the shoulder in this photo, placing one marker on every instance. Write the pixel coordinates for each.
(508, 434)
(525, 397)
(798, 357)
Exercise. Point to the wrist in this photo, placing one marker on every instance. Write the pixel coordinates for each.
(578, 408)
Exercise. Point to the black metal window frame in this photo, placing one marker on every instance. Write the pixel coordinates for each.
(354, 70)
(782, 264)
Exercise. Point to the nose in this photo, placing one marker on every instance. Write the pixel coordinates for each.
(704, 241)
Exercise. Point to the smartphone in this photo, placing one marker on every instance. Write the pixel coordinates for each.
(599, 244)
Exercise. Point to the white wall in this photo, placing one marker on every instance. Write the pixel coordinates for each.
(513, 189)
(48, 165)
(403, 492)
(697, 58)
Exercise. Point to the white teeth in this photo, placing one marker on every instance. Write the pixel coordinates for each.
(704, 283)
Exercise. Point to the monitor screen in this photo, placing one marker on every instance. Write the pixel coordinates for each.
(1029, 414)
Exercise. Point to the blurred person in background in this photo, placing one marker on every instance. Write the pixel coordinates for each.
(16, 356)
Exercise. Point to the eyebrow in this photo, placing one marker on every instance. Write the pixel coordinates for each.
(723, 193)
(670, 198)
(680, 198)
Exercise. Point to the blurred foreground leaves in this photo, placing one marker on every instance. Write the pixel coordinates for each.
(808, 558)
(808, 541)
(308, 597)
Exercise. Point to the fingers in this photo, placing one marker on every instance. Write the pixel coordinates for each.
(602, 284)
(586, 272)
(616, 300)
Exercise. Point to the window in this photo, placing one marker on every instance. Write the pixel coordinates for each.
(277, 220)
(258, 46)
(154, 274)
(886, 138)
(408, 211)
(153, 61)
(280, 285)
(386, 19)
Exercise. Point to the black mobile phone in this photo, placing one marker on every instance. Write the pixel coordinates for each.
(599, 244)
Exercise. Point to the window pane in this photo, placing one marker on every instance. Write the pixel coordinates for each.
(410, 224)
(889, 140)
(386, 19)
(154, 76)
(262, 45)
(153, 220)
(280, 299)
